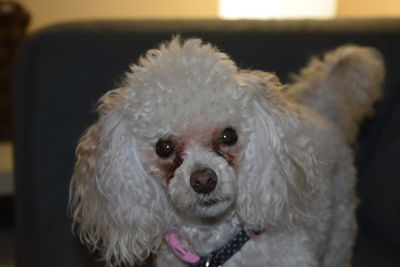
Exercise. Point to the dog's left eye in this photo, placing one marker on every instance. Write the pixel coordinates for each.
(164, 148)
(228, 137)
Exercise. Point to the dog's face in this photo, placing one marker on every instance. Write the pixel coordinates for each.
(199, 169)
(188, 136)
(189, 119)
(197, 158)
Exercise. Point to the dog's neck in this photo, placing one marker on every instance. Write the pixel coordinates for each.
(206, 235)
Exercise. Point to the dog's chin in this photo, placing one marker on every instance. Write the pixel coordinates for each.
(207, 208)
(211, 208)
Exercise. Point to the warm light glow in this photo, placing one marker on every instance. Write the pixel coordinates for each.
(276, 9)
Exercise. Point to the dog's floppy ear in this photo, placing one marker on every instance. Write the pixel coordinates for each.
(114, 205)
(279, 170)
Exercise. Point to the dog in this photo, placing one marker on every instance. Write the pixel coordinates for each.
(204, 164)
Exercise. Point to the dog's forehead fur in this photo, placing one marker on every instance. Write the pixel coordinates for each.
(183, 86)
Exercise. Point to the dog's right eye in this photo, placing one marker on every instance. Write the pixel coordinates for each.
(228, 137)
(164, 148)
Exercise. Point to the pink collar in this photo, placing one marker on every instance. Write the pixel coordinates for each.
(182, 253)
(186, 255)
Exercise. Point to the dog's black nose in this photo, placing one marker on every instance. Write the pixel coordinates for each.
(203, 181)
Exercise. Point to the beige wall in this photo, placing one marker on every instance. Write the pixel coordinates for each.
(46, 12)
(368, 8)
(6, 163)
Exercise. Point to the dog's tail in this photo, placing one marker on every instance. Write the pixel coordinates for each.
(343, 86)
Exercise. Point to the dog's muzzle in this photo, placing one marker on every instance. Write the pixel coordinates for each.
(203, 181)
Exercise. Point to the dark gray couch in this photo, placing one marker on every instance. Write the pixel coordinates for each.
(62, 70)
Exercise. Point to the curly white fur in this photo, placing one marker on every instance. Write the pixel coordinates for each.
(290, 173)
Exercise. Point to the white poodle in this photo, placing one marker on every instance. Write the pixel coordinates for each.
(204, 164)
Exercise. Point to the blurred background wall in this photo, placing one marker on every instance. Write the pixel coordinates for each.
(368, 8)
(45, 12)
